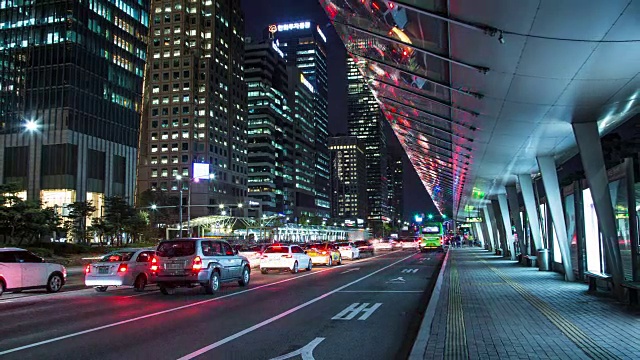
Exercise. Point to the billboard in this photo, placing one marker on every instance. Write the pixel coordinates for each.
(200, 171)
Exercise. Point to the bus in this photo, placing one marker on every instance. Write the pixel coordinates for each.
(432, 236)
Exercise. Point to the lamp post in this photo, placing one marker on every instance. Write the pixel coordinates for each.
(179, 178)
(32, 127)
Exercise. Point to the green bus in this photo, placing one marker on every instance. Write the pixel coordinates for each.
(432, 236)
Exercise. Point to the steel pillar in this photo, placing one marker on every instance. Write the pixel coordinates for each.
(494, 211)
(547, 167)
(506, 222)
(588, 140)
(532, 209)
(489, 223)
(514, 206)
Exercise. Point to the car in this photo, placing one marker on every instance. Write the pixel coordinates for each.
(22, 270)
(125, 267)
(410, 244)
(284, 257)
(364, 247)
(383, 245)
(190, 262)
(324, 253)
(396, 245)
(348, 250)
(253, 253)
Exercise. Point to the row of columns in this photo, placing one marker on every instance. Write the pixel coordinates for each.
(497, 229)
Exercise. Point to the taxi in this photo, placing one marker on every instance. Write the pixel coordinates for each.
(325, 254)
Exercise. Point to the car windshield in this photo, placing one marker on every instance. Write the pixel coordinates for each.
(117, 256)
(176, 248)
(277, 250)
(318, 246)
(342, 244)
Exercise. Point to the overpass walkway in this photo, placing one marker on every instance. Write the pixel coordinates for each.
(490, 308)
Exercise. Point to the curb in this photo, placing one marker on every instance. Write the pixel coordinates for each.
(420, 344)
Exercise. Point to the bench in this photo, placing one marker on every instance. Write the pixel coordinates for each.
(594, 277)
(531, 260)
(633, 288)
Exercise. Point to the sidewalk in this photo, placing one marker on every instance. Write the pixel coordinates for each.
(490, 308)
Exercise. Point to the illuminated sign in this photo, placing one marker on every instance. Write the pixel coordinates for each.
(253, 203)
(292, 26)
(474, 220)
(321, 33)
(277, 49)
(273, 28)
(306, 83)
(200, 171)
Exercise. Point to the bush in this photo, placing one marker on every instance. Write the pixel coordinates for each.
(62, 249)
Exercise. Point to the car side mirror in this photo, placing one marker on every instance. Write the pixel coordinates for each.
(305, 251)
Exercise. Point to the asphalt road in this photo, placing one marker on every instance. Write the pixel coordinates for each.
(364, 309)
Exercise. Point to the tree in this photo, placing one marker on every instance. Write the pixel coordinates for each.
(138, 226)
(8, 198)
(24, 221)
(79, 211)
(117, 214)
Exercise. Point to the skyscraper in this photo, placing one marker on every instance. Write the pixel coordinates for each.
(365, 123)
(348, 179)
(395, 171)
(303, 44)
(194, 126)
(71, 78)
(271, 128)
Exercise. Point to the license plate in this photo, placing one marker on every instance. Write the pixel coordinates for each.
(174, 266)
(103, 270)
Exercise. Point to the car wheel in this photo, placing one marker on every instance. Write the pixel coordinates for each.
(164, 290)
(330, 262)
(140, 283)
(340, 260)
(54, 284)
(246, 276)
(264, 271)
(310, 266)
(101, 288)
(294, 270)
(214, 283)
(1, 287)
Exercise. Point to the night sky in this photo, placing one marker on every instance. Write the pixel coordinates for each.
(259, 14)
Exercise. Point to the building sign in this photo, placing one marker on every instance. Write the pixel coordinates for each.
(321, 33)
(277, 49)
(292, 26)
(200, 171)
(474, 220)
(273, 28)
(306, 83)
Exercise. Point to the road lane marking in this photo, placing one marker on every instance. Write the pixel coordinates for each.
(350, 270)
(305, 352)
(282, 315)
(399, 279)
(409, 271)
(107, 326)
(354, 309)
(382, 291)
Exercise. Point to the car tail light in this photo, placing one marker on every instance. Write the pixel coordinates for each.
(288, 256)
(197, 263)
(154, 264)
(87, 269)
(122, 268)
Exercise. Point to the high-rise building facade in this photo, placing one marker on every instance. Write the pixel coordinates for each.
(304, 45)
(365, 123)
(271, 154)
(71, 81)
(395, 173)
(194, 129)
(348, 179)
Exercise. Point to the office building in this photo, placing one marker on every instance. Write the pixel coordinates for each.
(304, 45)
(365, 123)
(71, 81)
(395, 173)
(271, 152)
(348, 180)
(194, 124)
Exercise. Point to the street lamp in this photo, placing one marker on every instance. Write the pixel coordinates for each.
(179, 178)
(31, 126)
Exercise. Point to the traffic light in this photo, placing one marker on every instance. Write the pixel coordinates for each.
(430, 216)
(444, 216)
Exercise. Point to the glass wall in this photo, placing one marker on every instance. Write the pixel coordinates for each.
(572, 236)
(620, 202)
(593, 245)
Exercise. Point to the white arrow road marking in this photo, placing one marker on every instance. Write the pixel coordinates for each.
(398, 279)
(306, 352)
(428, 258)
(354, 309)
(350, 270)
(408, 271)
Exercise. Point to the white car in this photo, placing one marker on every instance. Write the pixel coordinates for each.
(383, 245)
(22, 270)
(126, 267)
(284, 257)
(252, 253)
(410, 244)
(348, 250)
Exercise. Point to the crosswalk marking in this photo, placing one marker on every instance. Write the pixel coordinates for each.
(409, 271)
(354, 309)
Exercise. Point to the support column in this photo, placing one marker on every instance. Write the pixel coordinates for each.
(588, 140)
(506, 222)
(532, 209)
(479, 234)
(486, 230)
(493, 209)
(514, 206)
(547, 167)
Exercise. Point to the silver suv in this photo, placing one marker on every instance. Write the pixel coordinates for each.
(193, 261)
